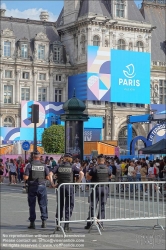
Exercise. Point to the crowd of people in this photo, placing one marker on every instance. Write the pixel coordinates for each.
(121, 170)
(12, 169)
(39, 170)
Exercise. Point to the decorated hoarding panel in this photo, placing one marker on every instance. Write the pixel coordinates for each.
(79, 83)
(98, 73)
(47, 112)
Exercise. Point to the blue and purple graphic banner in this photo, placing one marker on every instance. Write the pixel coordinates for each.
(48, 112)
(113, 76)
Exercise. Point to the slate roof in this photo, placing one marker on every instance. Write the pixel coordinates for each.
(99, 7)
(156, 16)
(103, 8)
(28, 29)
(133, 12)
(59, 21)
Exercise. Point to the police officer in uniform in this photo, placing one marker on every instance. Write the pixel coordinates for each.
(99, 173)
(65, 174)
(36, 174)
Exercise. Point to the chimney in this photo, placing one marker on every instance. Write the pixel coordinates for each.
(2, 12)
(44, 16)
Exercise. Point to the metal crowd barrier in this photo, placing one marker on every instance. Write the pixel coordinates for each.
(111, 201)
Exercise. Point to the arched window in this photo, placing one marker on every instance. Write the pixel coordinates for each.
(122, 137)
(130, 46)
(83, 44)
(96, 41)
(106, 43)
(121, 44)
(8, 122)
(140, 46)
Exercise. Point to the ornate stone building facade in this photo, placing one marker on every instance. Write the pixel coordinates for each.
(33, 65)
(38, 56)
(117, 24)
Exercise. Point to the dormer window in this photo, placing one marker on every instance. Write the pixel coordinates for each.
(24, 50)
(120, 8)
(41, 52)
(7, 49)
(56, 54)
(56, 49)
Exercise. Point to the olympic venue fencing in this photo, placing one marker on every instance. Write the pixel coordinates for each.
(117, 201)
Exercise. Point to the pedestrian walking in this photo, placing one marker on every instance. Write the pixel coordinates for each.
(36, 174)
(13, 170)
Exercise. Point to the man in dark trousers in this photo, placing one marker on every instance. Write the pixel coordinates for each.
(65, 174)
(36, 174)
(99, 173)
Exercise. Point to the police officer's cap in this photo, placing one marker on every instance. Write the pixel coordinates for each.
(68, 155)
(101, 156)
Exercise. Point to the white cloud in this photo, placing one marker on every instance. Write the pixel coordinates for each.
(3, 6)
(29, 13)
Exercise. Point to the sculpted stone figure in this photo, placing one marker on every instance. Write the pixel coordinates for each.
(35, 54)
(51, 56)
(18, 52)
(67, 58)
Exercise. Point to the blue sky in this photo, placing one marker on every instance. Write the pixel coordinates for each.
(31, 9)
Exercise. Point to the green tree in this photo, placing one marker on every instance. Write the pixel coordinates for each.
(53, 139)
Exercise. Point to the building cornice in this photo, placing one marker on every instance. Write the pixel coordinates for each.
(154, 4)
(159, 69)
(111, 25)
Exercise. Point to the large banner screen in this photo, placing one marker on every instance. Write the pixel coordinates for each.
(130, 77)
(118, 75)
